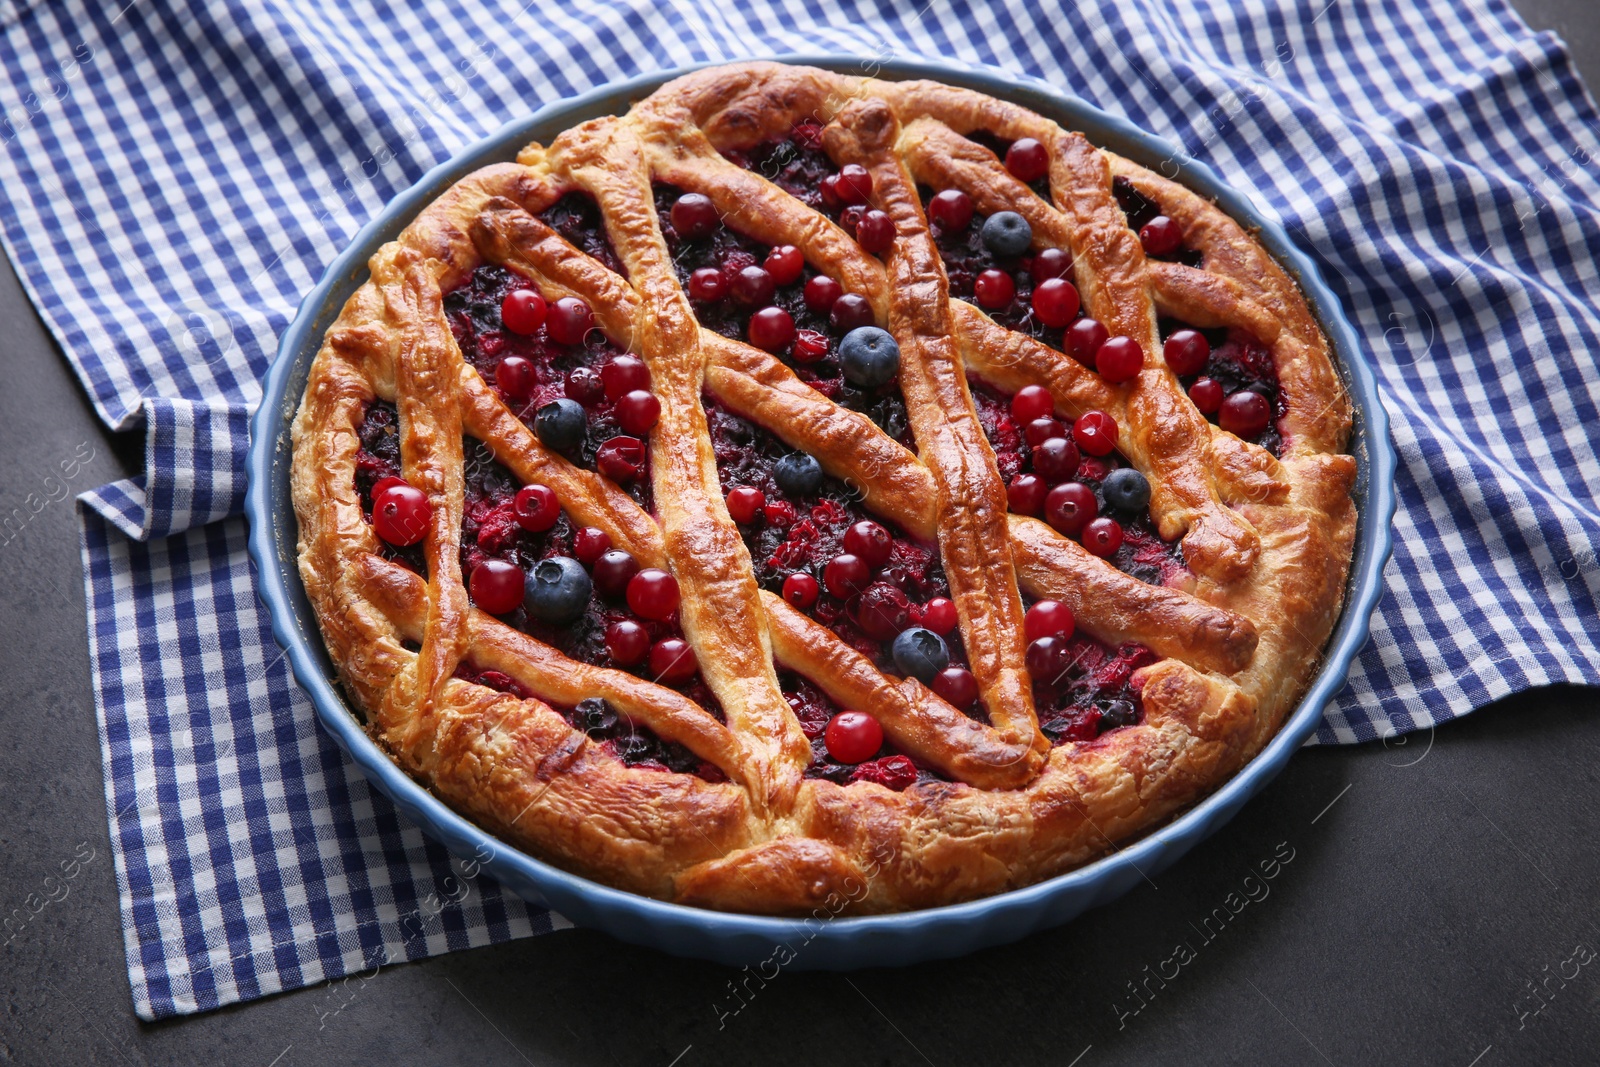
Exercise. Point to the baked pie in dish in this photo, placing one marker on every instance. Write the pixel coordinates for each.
(810, 487)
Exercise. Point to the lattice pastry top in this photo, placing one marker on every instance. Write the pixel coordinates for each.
(639, 542)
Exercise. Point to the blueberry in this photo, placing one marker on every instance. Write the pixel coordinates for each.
(561, 425)
(798, 474)
(1005, 233)
(920, 653)
(595, 718)
(1126, 489)
(1115, 713)
(870, 357)
(557, 590)
(634, 748)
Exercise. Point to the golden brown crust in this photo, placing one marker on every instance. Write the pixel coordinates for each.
(1268, 539)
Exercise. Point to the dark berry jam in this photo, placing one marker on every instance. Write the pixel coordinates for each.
(379, 458)
(729, 251)
(1097, 693)
(1238, 362)
(576, 217)
(473, 311)
(796, 164)
(1140, 209)
(1143, 554)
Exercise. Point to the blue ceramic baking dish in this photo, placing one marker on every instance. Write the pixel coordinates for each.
(746, 939)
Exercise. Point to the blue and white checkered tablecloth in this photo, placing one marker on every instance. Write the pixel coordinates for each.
(176, 175)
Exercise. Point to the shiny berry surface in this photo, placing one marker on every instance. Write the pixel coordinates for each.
(627, 642)
(1048, 660)
(1126, 490)
(951, 209)
(523, 311)
(1056, 459)
(870, 541)
(589, 543)
(1039, 431)
(1103, 536)
(613, 571)
(875, 232)
(801, 590)
(754, 286)
(809, 346)
(561, 424)
(1245, 413)
(1070, 507)
(820, 293)
(1095, 432)
(653, 594)
(673, 661)
(622, 375)
(1186, 352)
(956, 686)
(854, 184)
(1025, 494)
(850, 312)
(939, 615)
(536, 508)
(881, 611)
(583, 384)
(1032, 402)
(1207, 395)
(1084, 339)
(1161, 236)
(514, 376)
(1048, 618)
(853, 736)
(845, 575)
(994, 289)
(785, 263)
(1052, 263)
(637, 412)
(1028, 160)
(707, 285)
(920, 653)
(772, 329)
(570, 321)
(496, 586)
(694, 216)
(1119, 359)
(557, 590)
(621, 459)
(745, 503)
(1055, 302)
(400, 514)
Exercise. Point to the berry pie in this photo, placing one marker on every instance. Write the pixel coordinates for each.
(808, 488)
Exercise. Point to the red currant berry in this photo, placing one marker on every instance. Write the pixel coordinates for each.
(694, 216)
(627, 642)
(850, 311)
(994, 289)
(771, 329)
(1084, 339)
(707, 285)
(584, 385)
(1055, 302)
(753, 286)
(821, 291)
(809, 346)
(497, 586)
(401, 513)
(1186, 352)
(951, 209)
(637, 412)
(1049, 659)
(1120, 359)
(383, 483)
(745, 503)
(854, 184)
(1027, 160)
(613, 571)
(1070, 507)
(870, 541)
(589, 544)
(653, 594)
(523, 311)
(1095, 432)
(1161, 236)
(622, 375)
(621, 459)
(1026, 494)
(939, 615)
(785, 263)
(1052, 263)
(851, 217)
(1039, 431)
(514, 376)
(800, 590)
(853, 737)
(845, 575)
(1032, 402)
(1245, 413)
(882, 611)
(536, 508)
(570, 321)
(957, 687)
(1056, 459)
(672, 661)
(875, 232)
(1048, 618)
(829, 188)
(1207, 395)
(1103, 536)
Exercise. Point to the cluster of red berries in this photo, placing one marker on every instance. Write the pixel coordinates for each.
(1069, 506)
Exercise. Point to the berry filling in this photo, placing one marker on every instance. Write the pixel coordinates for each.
(576, 217)
(887, 766)
(1161, 236)
(1230, 363)
(592, 424)
(1087, 687)
(1027, 159)
(377, 459)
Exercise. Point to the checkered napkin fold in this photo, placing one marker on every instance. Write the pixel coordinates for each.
(175, 176)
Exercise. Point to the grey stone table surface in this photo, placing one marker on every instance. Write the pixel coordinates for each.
(1431, 902)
